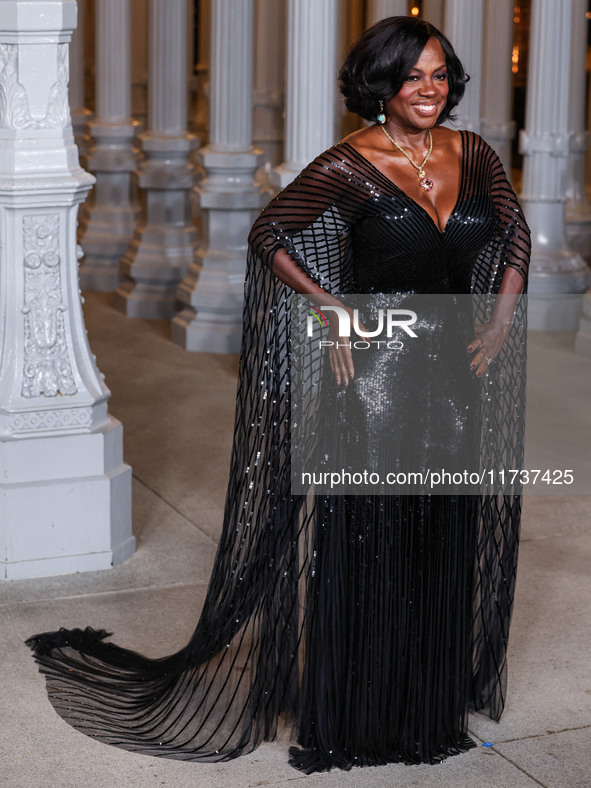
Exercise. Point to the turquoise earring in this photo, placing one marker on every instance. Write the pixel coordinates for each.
(382, 114)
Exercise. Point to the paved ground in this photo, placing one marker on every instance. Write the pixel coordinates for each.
(177, 410)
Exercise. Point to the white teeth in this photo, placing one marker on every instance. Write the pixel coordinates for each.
(425, 107)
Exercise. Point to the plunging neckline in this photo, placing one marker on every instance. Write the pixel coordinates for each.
(411, 199)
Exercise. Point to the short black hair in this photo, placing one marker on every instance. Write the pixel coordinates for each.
(380, 61)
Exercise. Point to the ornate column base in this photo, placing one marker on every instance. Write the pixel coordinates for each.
(282, 176)
(108, 222)
(164, 242)
(213, 289)
(558, 275)
(583, 337)
(80, 119)
(578, 233)
(65, 500)
(578, 209)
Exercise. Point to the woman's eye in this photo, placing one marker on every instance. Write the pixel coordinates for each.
(412, 78)
(441, 77)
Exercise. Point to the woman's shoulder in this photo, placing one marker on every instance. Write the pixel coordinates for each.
(363, 140)
(348, 160)
(460, 138)
(477, 143)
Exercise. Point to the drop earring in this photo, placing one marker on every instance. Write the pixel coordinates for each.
(381, 114)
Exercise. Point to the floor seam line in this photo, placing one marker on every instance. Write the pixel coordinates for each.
(175, 509)
(521, 769)
(541, 735)
(103, 593)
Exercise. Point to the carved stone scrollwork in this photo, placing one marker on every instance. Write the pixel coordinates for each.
(46, 369)
(14, 103)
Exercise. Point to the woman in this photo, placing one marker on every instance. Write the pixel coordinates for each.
(371, 622)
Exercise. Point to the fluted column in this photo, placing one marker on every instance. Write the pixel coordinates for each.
(311, 80)
(109, 220)
(578, 209)
(497, 127)
(463, 25)
(229, 196)
(556, 271)
(269, 79)
(65, 493)
(433, 12)
(380, 9)
(80, 114)
(165, 238)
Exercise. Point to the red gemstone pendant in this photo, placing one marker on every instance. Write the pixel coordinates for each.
(426, 184)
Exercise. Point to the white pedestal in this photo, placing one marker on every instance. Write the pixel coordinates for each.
(557, 312)
(583, 337)
(109, 218)
(164, 242)
(213, 290)
(65, 503)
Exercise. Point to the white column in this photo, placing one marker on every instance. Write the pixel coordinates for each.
(269, 79)
(109, 219)
(583, 336)
(555, 271)
(497, 127)
(578, 210)
(464, 27)
(433, 12)
(380, 9)
(65, 493)
(165, 238)
(229, 196)
(80, 114)
(311, 83)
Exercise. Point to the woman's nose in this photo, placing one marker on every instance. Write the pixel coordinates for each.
(428, 87)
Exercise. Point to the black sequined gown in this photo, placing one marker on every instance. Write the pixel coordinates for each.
(373, 623)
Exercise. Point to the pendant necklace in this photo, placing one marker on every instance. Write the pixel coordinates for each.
(425, 183)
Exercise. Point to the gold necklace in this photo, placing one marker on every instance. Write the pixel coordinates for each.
(425, 183)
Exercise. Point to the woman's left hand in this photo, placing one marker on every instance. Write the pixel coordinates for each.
(486, 345)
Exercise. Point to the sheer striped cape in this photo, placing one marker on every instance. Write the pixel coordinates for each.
(226, 689)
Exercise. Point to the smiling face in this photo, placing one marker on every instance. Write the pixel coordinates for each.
(422, 97)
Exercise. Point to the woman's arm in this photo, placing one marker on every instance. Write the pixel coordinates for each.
(300, 236)
(515, 253)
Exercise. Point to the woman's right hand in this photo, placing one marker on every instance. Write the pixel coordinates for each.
(339, 353)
